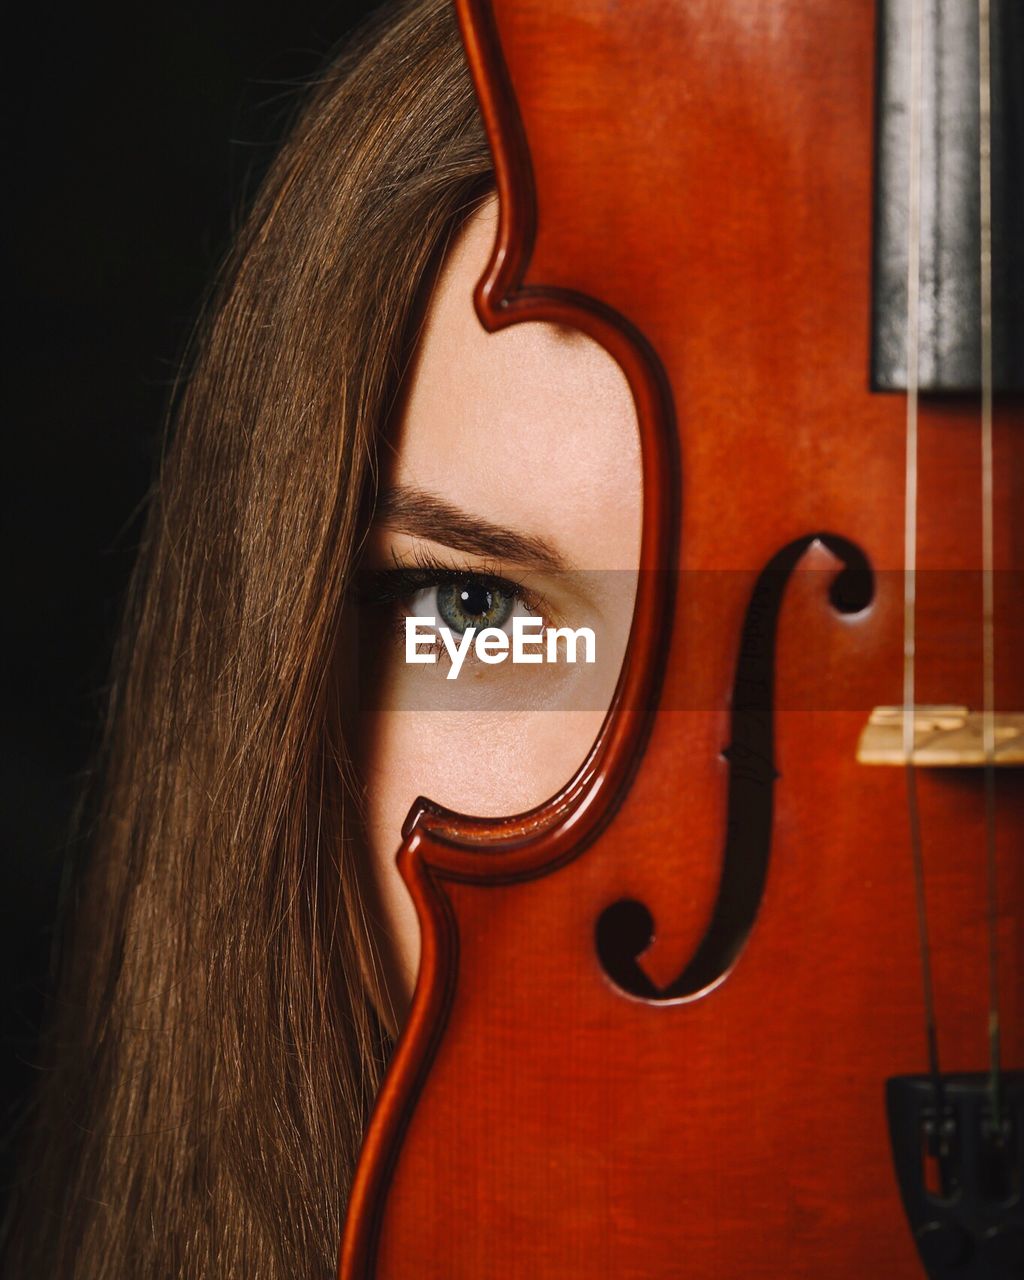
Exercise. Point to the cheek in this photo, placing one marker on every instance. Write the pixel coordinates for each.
(486, 765)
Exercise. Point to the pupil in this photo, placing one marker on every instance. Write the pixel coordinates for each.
(475, 600)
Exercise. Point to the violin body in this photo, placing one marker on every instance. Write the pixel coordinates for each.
(655, 1018)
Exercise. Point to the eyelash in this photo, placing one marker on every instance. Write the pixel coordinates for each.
(384, 588)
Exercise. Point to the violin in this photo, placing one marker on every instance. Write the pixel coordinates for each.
(763, 1014)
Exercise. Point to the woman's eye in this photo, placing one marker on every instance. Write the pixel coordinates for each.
(467, 602)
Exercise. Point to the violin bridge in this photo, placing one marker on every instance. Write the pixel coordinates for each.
(945, 737)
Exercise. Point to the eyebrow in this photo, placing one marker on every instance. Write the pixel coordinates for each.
(425, 515)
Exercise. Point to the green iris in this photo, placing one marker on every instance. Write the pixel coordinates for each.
(473, 602)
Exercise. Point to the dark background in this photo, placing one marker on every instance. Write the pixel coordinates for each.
(137, 135)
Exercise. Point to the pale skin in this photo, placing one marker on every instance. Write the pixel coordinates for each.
(516, 457)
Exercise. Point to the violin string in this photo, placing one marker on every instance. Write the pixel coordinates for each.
(988, 715)
(910, 534)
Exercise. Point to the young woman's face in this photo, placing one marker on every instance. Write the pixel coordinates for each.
(511, 487)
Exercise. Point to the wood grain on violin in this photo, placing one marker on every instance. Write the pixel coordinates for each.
(655, 1019)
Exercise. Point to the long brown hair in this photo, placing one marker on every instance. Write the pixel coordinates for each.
(215, 1047)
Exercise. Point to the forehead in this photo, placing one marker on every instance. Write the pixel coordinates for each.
(532, 427)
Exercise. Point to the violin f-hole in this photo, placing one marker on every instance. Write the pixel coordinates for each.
(626, 928)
